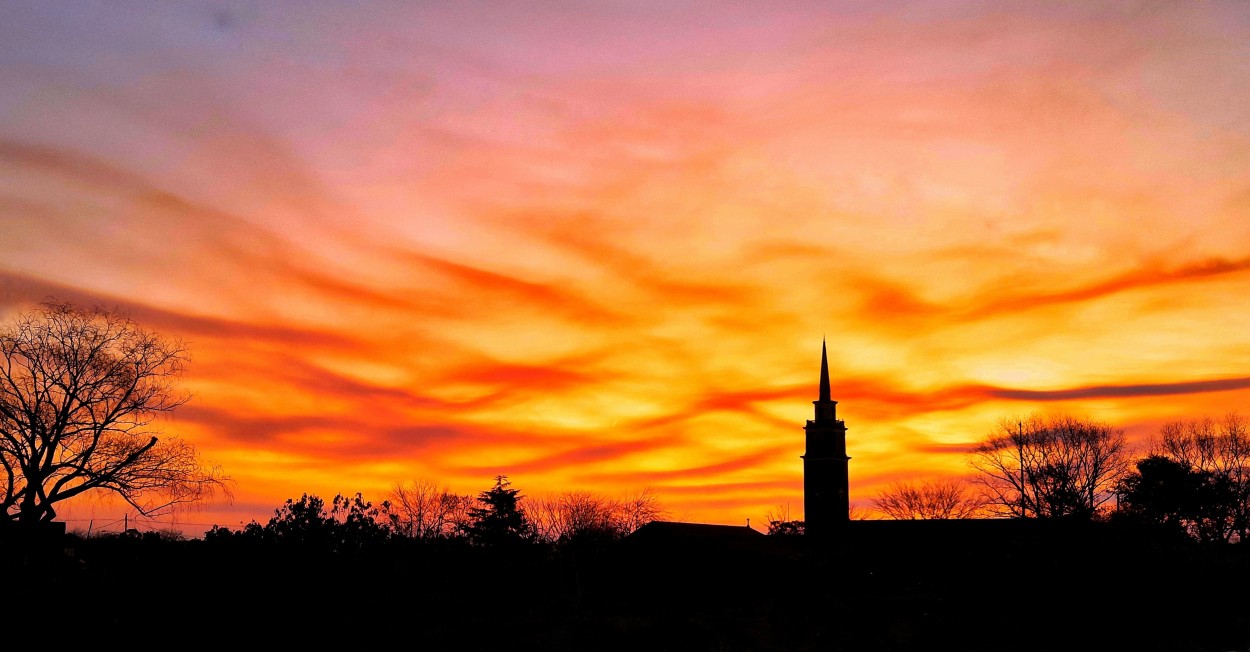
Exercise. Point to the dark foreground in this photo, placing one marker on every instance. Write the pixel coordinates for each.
(973, 586)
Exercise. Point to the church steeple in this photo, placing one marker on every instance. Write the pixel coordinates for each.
(826, 408)
(826, 482)
(824, 372)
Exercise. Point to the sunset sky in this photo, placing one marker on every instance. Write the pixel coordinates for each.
(596, 245)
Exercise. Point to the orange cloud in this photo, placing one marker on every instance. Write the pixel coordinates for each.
(591, 250)
(1145, 277)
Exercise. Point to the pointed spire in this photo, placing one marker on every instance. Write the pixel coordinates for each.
(824, 372)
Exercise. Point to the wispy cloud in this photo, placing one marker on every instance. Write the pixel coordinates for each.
(594, 247)
(1122, 391)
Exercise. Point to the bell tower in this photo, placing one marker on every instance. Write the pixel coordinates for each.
(826, 481)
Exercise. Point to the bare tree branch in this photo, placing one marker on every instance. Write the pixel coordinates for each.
(1220, 448)
(79, 392)
(1050, 466)
(932, 499)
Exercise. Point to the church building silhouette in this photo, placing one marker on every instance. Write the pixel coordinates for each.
(826, 473)
(826, 480)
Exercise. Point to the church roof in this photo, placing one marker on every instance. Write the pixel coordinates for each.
(679, 531)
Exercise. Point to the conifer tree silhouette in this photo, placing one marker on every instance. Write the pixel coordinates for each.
(499, 520)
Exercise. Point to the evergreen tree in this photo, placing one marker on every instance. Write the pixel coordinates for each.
(499, 518)
(1176, 496)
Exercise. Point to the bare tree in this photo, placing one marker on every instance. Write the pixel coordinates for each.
(932, 499)
(780, 523)
(1220, 448)
(1050, 466)
(572, 514)
(635, 509)
(583, 514)
(778, 514)
(427, 511)
(79, 392)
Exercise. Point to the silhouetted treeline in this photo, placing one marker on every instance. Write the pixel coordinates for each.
(975, 585)
(427, 568)
(420, 510)
(1192, 478)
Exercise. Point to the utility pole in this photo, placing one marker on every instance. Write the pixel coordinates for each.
(1020, 453)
